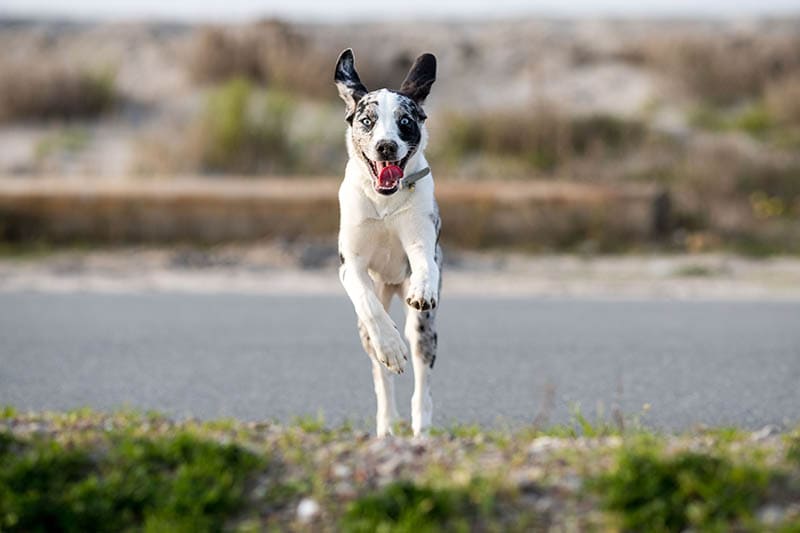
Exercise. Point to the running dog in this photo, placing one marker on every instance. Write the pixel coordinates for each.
(389, 232)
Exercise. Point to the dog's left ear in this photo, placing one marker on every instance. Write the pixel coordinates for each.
(417, 84)
(349, 84)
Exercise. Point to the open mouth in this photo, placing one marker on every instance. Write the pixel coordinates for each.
(386, 174)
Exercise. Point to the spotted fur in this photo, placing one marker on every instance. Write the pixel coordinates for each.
(389, 236)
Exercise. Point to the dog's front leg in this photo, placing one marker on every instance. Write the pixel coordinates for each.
(389, 347)
(422, 295)
(420, 246)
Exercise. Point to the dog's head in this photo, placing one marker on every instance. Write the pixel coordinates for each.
(387, 127)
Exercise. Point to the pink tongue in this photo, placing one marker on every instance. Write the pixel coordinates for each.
(389, 176)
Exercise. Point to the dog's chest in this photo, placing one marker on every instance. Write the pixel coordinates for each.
(376, 242)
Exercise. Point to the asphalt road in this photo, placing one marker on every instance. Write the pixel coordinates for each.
(260, 357)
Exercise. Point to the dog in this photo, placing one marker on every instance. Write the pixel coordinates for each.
(389, 232)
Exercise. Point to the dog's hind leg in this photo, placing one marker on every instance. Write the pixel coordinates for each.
(383, 379)
(421, 333)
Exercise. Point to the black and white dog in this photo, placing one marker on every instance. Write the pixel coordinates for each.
(389, 231)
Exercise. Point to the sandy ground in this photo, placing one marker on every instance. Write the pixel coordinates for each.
(281, 268)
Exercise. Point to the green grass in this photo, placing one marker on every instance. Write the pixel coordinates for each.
(130, 471)
(651, 490)
(403, 507)
(175, 483)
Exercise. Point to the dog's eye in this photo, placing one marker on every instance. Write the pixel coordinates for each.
(366, 122)
(405, 121)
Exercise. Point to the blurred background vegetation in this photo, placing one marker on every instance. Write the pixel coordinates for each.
(704, 112)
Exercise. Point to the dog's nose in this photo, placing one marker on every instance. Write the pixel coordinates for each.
(387, 150)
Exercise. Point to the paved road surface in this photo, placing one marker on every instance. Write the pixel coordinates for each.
(257, 357)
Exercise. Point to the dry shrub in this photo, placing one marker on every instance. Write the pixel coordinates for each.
(544, 137)
(270, 53)
(783, 101)
(218, 55)
(724, 69)
(46, 90)
(275, 54)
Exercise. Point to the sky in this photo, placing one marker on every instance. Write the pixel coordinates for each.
(343, 10)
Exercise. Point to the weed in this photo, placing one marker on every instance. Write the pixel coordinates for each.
(651, 491)
(310, 424)
(403, 507)
(176, 483)
(465, 431)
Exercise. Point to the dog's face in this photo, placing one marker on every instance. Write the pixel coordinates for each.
(386, 127)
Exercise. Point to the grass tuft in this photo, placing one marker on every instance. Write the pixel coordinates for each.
(178, 483)
(403, 507)
(652, 491)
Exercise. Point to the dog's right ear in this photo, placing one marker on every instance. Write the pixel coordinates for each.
(349, 84)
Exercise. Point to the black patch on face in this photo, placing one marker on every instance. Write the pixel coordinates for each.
(410, 106)
(409, 116)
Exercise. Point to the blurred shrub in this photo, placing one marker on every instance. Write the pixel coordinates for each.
(46, 91)
(277, 55)
(654, 492)
(217, 56)
(270, 53)
(403, 507)
(723, 69)
(749, 201)
(782, 100)
(245, 130)
(543, 138)
(69, 140)
(754, 119)
(176, 483)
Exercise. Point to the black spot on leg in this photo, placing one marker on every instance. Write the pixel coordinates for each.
(427, 339)
(341, 258)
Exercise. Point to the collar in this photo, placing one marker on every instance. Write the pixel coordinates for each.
(407, 182)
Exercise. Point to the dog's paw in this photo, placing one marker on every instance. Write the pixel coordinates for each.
(391, 350)
(421, 296)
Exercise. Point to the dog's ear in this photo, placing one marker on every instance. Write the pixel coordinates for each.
(418, 82)
(349, 84)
